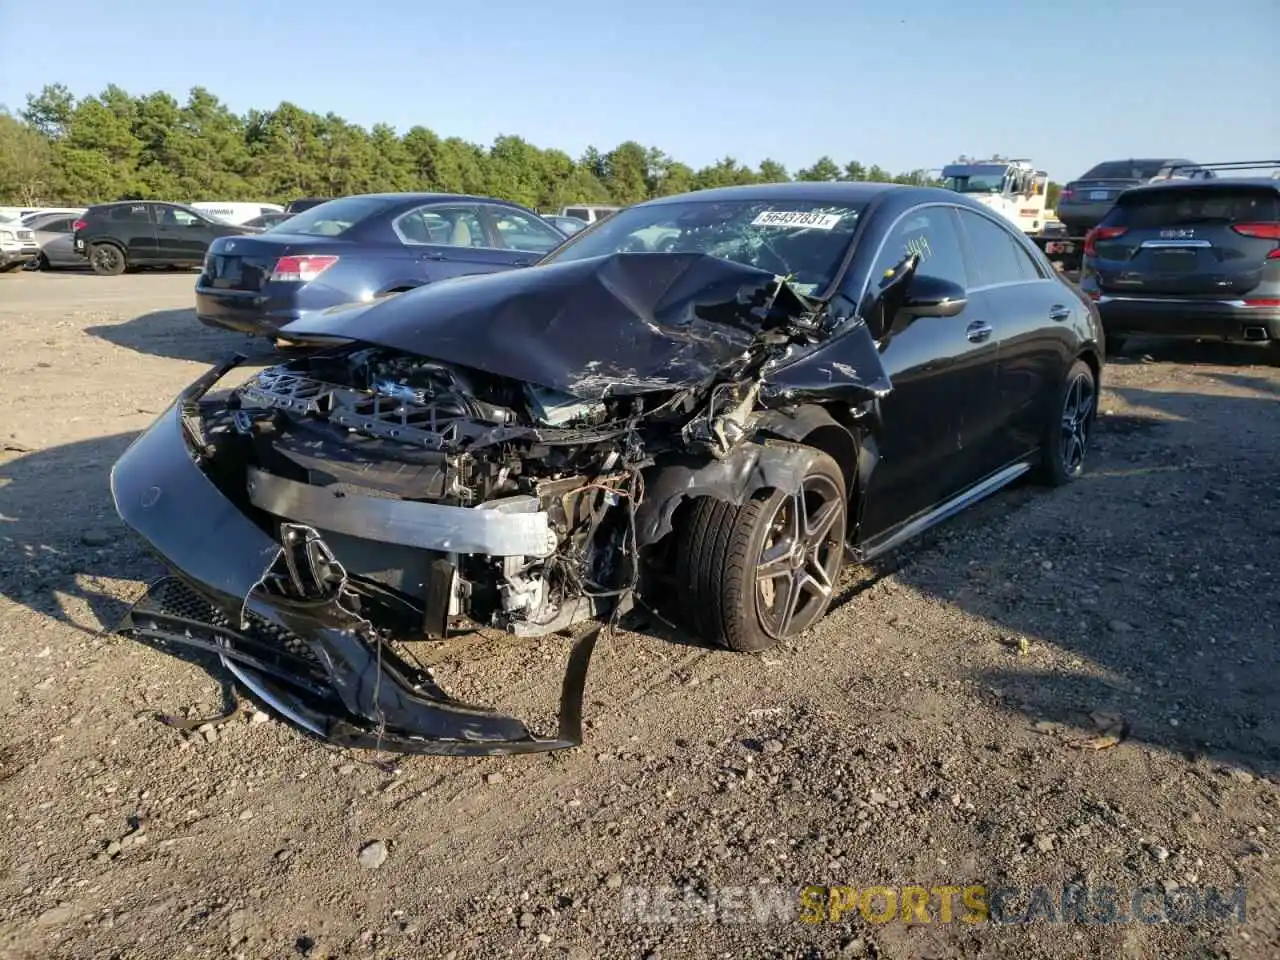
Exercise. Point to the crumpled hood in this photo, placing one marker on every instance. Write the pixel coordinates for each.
(622, 324)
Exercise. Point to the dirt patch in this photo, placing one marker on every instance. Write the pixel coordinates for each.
(1077, 687)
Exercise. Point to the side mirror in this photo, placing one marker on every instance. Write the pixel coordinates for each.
(929, 297)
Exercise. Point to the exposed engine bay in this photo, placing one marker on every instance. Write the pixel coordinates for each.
(372, 423)
(375, 424)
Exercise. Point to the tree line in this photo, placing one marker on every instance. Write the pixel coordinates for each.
(112, 146)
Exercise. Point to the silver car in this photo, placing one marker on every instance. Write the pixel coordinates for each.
(53, 234)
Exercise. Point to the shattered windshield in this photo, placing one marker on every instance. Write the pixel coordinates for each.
(804, 240)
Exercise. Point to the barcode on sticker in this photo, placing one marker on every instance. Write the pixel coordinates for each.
(796, 220)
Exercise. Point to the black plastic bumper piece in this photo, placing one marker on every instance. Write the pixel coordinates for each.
(314, 661)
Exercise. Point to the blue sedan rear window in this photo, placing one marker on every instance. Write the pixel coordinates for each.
(334, 217)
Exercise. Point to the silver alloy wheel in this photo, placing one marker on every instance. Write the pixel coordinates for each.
(1077, 417)
(106, 256)
(801, 558)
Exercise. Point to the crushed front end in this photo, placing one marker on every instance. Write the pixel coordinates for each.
(326, 511)
(339, 507)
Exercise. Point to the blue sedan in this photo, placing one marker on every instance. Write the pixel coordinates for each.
(361, 248)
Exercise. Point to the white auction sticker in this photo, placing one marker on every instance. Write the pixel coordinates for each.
(796, 220)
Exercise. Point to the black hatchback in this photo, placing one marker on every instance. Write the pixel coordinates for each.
(1191, 259)
(116, 237)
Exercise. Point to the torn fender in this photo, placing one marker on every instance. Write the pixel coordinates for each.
(748, 468)
(845, 369)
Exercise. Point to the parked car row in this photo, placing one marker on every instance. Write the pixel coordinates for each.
(20, 232)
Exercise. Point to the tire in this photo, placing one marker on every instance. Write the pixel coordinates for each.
(721, 549)
(1065, 441)
(107, 259)
(1115, 345)
(42, 262)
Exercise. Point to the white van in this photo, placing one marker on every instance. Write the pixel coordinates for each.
(236, 213)
(589, 212)
(17, 213)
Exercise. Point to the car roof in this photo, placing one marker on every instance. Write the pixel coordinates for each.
(158, 203)
(1218, 183)
(1161, 159)
(426, 198)
(812, 190)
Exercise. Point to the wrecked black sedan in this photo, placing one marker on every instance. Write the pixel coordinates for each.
(719, 396)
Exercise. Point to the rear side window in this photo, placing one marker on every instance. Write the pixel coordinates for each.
(128, 213)
(996, 254)
(335, 217)
(1178, 208)
(444, 225)
(579, 212)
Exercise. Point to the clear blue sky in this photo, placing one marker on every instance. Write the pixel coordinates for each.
(905, 85)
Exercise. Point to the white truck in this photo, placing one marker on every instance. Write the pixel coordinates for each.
(237, 213)
(1016, 190)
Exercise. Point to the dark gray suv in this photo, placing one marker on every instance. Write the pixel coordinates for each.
(1084, 202)
(1195, 259)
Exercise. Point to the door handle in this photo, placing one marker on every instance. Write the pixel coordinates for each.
(1058, 313)
(979, 331)
(433, 256)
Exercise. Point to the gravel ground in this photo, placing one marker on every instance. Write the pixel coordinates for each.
(954, 722)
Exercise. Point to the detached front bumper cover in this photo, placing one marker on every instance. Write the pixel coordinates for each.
(315, 661)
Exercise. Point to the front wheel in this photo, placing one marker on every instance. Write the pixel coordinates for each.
(107, 259)
(1066, 435)
(762, 573)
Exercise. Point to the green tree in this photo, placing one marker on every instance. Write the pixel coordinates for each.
(626, 170)
(773, 172)
(675, 178)
(49, 111)
(824, 169)
(515, 171)
(116, 144)
(24, 161)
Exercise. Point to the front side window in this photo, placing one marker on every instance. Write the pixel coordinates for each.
(517, 231)
(803, 240)
(929, 232)
(996, 254)
(176, 217)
